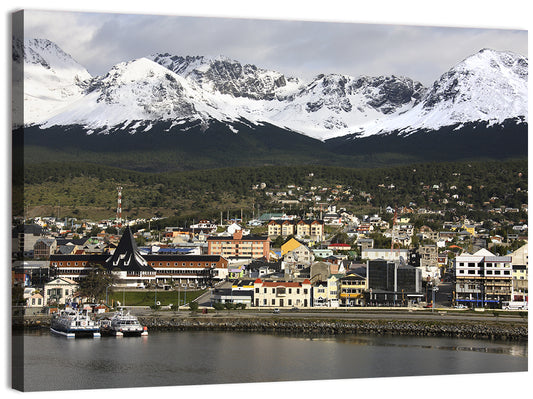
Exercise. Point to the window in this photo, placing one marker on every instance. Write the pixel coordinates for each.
(471, 272)
(273, 301)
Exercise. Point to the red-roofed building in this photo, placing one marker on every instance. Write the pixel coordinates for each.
(280, 294)
(340, 247)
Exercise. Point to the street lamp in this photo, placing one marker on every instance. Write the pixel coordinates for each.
(433, 290)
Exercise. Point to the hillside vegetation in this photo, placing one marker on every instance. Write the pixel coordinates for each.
(89, 191)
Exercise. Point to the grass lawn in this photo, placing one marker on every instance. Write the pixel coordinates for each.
(149, 297)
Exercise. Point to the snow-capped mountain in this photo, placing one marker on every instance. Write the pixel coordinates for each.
(488, 86)
(225, 76)
(52, 78)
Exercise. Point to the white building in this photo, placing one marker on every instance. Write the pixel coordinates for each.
(483, 279)
(387, 254)
(60, 291)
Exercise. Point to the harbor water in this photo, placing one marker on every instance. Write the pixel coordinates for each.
(189, 358)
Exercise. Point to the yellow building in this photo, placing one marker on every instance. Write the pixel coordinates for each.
(289, 246)
(351, 290)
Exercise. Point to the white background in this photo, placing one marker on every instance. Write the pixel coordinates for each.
(509, 14)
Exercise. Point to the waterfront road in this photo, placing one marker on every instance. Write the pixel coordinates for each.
(367, 313)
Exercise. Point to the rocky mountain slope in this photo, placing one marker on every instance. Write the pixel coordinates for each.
(489, 86)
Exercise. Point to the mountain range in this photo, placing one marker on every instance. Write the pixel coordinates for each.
(178, 105)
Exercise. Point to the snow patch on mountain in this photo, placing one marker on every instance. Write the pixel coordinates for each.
(52, 78)
(488, 86)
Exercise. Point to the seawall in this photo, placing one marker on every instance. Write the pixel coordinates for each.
(441, 328)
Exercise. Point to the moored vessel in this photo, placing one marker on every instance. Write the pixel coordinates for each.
(73, 323)
(123, 324)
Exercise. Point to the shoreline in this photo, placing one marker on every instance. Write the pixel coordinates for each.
(494, 330)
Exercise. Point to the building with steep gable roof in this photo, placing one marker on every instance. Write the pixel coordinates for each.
(136, 270)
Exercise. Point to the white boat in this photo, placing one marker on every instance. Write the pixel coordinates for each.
(73, 323)
(123, 324)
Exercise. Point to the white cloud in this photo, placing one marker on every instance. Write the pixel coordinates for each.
(297, 48)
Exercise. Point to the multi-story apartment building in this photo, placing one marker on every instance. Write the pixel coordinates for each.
(279, 294)
(239, 246)
(483, 279)
(312, 229)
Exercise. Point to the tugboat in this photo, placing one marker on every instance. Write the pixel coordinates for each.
(122, 324)
(73, 323)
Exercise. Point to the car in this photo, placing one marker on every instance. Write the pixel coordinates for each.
(294, 309)
(460, 306)
(275, 311)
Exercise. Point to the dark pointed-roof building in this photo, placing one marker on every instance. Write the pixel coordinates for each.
(128, 261)
(136, 270)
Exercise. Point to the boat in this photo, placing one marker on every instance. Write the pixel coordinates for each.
(122, 324)
(73, 323)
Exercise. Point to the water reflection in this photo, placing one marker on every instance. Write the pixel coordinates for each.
(482, 346)
(184, 358)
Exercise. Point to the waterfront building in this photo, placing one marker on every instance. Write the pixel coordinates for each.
(188, 270)
(393, 283)
(136, 270)
(483, 279)
(227, 295)
(59, 291)
(279, 294)
(519, 260)
(320, 294)
(352, 290)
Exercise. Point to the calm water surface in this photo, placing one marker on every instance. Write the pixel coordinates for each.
(187, 358)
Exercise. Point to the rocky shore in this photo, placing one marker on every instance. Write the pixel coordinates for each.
(444, 328)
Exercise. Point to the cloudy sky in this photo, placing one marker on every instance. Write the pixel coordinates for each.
(295, 48)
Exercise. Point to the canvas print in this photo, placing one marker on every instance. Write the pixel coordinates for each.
(201, 200)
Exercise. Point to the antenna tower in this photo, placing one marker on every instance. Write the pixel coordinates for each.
(119, 207)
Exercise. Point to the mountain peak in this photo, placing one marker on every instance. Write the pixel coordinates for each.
(487, 86)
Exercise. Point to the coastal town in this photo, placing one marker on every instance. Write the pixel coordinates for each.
(281, 260)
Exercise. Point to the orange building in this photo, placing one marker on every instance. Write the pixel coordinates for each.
(239, 246)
